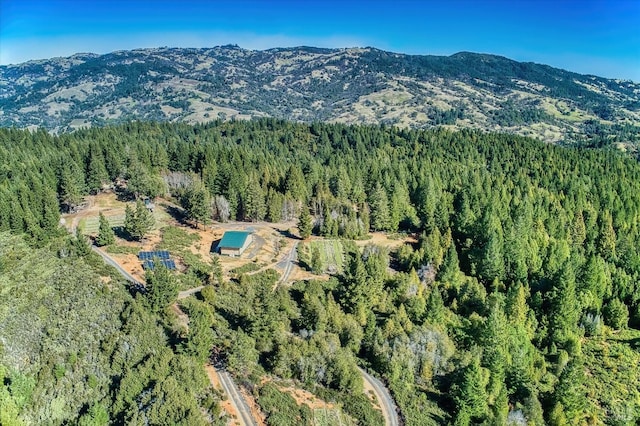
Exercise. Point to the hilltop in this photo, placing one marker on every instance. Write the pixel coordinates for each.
(355, 85)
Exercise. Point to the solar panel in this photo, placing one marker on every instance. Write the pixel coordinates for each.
(145, 255)
(169, 264)
(148, 257)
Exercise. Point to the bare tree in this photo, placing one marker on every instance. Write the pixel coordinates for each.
(220, 208)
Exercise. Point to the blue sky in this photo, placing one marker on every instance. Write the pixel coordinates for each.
(600, 37)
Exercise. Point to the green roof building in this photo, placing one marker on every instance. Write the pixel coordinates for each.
(234, 243)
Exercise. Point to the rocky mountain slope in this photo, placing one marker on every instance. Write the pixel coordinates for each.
(308, 84)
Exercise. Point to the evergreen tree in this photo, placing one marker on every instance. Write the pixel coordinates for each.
(450, 267)
(355, 292)
(106, 235)
(570, 392)
(316, 261)
(492, 260)
(565, 309)
(197, 203)
(162, 287)
(200, 338)
(254, 202)
(70, 188)
(578, 230)
(81, 244)
(607, 240)
(470, 395)
(275, 203)
(616, 314)
(138, 222)
(380, 214)
(295, 185)
(304, 223)
(97, 174)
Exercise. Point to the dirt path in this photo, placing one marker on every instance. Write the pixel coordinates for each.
(388, 406)
(227, 405)
(191, 291)
(236, 399)
(288, 263)
(109, 260)
(237, 403)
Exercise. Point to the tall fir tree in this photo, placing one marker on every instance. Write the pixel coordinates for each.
(139, 221)
(106, 236)
(197, 203)
(304, 223)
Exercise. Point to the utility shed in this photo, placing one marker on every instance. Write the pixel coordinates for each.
(234, 243)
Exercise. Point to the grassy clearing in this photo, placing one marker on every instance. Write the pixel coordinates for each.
(176, 239)
(116, 249)
(330, 253)
(331, 417)
(90, 225)
(249, 267)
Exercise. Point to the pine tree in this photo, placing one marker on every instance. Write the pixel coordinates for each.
(492, 260)
(565, 309)
(578, 230)
(295, 185)
(570, 392)
(197, 203)
(450, 267)
(607, 240)
(96, 172)
(138, 222)
(106, 235)
(81, 243)
(355, 294)
(470, 395)
(316, 261)
(162, 288)
(304, 223)
(253, 201)
(70, 188)
(380, 214)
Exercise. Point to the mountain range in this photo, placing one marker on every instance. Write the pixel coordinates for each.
(354, 85)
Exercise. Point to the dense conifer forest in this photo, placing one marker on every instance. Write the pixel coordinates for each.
(518, 303)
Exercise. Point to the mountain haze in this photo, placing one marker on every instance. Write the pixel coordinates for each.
(356, 85)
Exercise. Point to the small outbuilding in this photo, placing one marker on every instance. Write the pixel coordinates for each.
(234, 243)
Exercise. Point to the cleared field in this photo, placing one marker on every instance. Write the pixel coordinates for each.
(331, 417)
(91, 224)
(329, 252)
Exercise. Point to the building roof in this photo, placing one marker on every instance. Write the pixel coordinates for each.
(233, 239)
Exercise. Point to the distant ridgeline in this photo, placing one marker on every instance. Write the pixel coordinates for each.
(368, 86)
(526, 256)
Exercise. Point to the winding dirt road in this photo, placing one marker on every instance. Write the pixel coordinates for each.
(229, 387)
(388, 406)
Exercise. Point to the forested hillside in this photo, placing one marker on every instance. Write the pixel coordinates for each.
(358, 85)
(519, 301)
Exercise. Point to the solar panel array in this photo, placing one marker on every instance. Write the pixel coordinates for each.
(150, 255)
(167, 263)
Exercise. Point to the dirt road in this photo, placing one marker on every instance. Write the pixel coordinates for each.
(388, 406)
